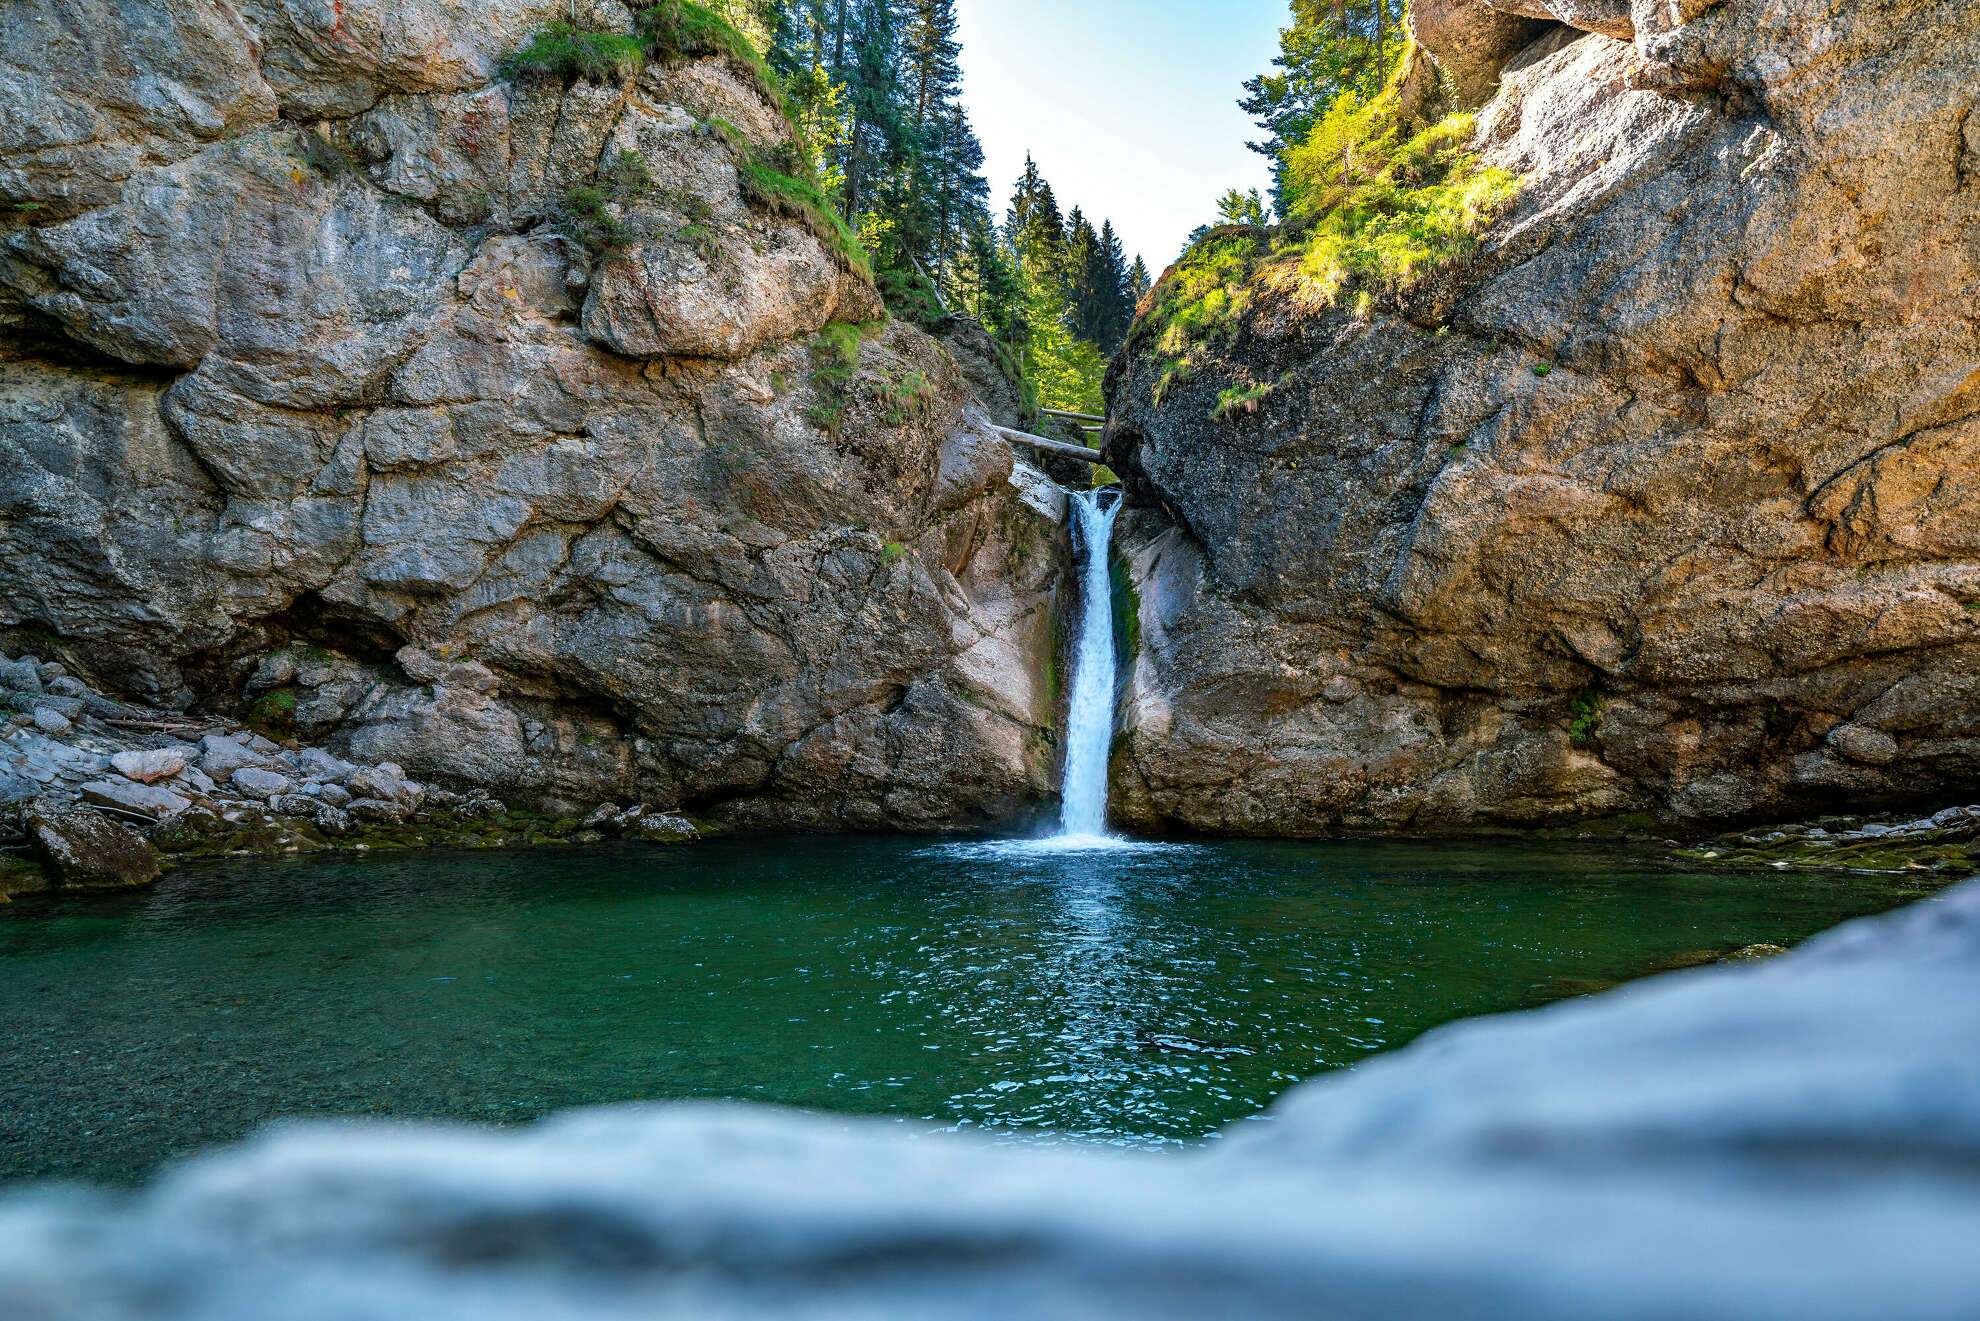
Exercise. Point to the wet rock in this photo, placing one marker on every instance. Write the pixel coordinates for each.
(149, 767)
(86, 849)
(333, 820)
(259, 784)
(665, 828)
(297, 805)
(386, 811)
(147, 800)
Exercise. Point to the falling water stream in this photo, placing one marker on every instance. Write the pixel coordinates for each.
(1090, 715)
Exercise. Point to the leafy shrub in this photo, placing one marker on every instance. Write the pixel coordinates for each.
(1585, 720)
(562, 50)
(1385, 209)
(1378, 202)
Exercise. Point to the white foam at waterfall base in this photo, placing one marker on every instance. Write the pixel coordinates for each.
(1090, 714)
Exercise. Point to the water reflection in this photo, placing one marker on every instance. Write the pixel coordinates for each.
(1135, 992)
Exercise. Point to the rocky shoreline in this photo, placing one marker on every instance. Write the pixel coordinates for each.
(97, 794)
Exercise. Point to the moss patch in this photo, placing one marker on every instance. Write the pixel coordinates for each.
(561, 50)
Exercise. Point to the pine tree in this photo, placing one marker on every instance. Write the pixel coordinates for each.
(1118, 307)
(1333, 46)
(1138, 283)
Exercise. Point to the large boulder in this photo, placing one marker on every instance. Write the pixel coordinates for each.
(84, 849)
(1627, 513)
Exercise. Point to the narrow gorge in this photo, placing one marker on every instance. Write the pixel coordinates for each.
(569, 583)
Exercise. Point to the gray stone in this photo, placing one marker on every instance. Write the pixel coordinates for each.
(147, 800)
(387, 811)
(367, 401)
(665, 828)
(1872, 747)
(334, 795)
(260, 784)
(321, 765)
(19, 677)
(50, 721)
(85, 849)
(220, 756)
(378, 782)
(149, 767)
(63, 685)
(297, 805)
(332, 820)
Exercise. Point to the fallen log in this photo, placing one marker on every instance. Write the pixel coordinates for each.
(1049, 446)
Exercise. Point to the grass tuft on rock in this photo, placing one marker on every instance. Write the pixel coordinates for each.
(568, 52)
(804, 200)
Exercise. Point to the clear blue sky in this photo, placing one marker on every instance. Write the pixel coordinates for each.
(1129, 106)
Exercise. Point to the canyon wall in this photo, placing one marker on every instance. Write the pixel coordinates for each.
(332, 359)
(1665, 500)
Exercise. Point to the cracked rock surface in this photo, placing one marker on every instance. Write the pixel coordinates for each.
(300, 357)
(1665, 501)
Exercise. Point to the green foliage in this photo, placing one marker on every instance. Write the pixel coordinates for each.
(1374, 204)
(835, 359)
(274, 714)
(1127, 609)
(1339, 46)
(892, 551)
(804, 201)
(1381, 208)
(1197, 306)
(592, 215)
(561, 50)
(1240, 399)
(1585, 720)
(911, 296)
(1543, 368)
(675, 30)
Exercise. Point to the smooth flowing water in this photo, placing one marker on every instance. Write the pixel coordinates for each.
(1090, 711)
(1148, 994)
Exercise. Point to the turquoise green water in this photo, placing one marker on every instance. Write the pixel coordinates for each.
(1149, 996)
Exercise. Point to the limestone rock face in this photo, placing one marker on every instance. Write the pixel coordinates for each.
(1667, 500)
(306, 350)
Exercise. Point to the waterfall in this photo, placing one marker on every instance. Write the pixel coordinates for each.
(1090, 715)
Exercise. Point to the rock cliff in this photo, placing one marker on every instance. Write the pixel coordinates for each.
(324, 334)
(1664, 500)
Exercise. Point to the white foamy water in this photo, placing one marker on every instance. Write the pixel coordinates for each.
(1090, 715)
